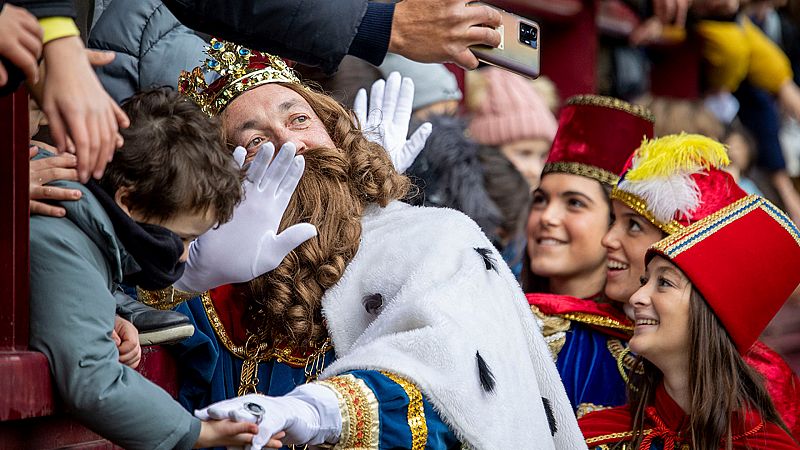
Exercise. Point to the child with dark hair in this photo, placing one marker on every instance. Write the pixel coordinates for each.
(742, 151)
(171, 181)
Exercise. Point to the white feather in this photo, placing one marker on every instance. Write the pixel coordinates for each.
(667, 198)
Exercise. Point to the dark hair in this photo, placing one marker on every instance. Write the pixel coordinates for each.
(507, 188)
(536, 283)
(736, 127)
(721, 383)
(449, 174)
(174, 160)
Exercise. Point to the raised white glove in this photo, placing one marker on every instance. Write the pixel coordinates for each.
(309, 415)
(386, 123)
(249, 245)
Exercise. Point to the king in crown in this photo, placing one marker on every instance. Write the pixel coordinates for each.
(395, 327)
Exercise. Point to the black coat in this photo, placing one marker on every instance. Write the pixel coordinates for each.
(312, 32)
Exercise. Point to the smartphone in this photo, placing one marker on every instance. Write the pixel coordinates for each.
(519, 45)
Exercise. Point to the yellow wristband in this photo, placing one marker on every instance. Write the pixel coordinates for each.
(58, 27)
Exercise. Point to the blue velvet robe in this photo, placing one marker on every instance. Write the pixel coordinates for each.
(211, 374)
(590, 361)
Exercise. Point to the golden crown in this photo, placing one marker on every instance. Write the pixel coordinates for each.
(240, 69)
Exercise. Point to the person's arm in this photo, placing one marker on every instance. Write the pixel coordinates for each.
(359, 409)
(768, 68)
(152, 51)
(312, 32)
(78, 108)
(401, 415)
(321, 32)
(72, 313)
(83, 118)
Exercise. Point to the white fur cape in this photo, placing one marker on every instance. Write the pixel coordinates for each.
(441, 306)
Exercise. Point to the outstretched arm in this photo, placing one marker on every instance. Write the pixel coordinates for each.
(321, 32)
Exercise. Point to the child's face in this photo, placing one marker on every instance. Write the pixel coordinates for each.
(569, 216)
(661, 313)
(738, 151)
(188, 226)
(528, 156)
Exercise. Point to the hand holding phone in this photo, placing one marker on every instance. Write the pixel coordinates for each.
(519, 46)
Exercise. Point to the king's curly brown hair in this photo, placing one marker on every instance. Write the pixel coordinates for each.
(284, 305)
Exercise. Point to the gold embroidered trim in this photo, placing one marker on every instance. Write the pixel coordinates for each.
(624, 434)
(638, 204)
(602, 321)
(166, 298)
(613, 103)
(622, 354)
(264, 351)
(554, 330)
(416, 411)
(782, 219)
(620, 446)
(674, 245)
(584, 170)
(359, 408)
(586, 408)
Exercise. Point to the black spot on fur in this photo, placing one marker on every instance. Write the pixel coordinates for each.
(551, 418)
(372, 303)
(488, 258)
(485, 373)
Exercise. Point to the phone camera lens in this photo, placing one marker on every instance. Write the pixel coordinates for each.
(528, 35)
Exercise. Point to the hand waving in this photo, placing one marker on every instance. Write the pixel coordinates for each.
(250, 245)
(387, 120)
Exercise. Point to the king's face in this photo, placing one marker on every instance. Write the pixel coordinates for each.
(277, 114)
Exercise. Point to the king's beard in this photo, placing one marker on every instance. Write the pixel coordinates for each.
(284, 306)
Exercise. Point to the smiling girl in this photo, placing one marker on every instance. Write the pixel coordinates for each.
(708, 291)
(671, 183)
(565, 266)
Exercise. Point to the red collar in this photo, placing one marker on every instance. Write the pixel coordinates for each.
(230, 307)
(667, 421)
(604, 317)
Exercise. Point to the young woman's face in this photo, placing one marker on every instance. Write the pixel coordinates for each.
(661, 314)
(569, 216)
(528, 156)
(626, 243)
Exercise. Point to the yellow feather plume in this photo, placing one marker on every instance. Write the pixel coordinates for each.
(676, 153)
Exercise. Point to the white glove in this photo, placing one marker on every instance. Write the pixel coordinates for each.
(388, 119)
(309, 415)
(248, 245)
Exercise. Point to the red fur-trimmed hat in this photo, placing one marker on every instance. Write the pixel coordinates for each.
(744, 259)
(596, 136)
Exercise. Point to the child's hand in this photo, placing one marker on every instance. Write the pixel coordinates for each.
(78, 108)
(217, 433)
(126, 337)
(45, 170)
